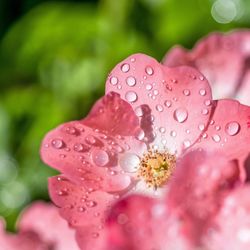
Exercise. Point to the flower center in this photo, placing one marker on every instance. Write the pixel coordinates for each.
(156, 168)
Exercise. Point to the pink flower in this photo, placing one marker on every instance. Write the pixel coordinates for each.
(132, 138)
(206, 208)
(40, 227)
(224, 59)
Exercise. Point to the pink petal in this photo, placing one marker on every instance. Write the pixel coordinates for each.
(44, 219)
(143, 223)
(197, 187)
(87, 151)
(229, 131)
(22, 241)
(78, 205)
(230, 230)
(223, 59)
(170, 101)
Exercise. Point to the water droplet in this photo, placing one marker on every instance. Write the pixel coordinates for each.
(217, 127)
(174, 81)
(180, 115)
(131, 96)
(208, 102)
(79, 147)
(173, 133)
(125, 67)
(149, 87)
(132, 59)
(201, 78)
(129, 162)
(202, 92)
(70, 130)
(186, 92)
(91, 203)
(90, 139)
(80, 209)
(57, 143)
(131, 81)
(187, 143)
(139, 111)
(113, 80)
(168, 103)
(204, 111)
(100, 157)
(140, 135)
(162, 130)
(216, 138)
(159, 108)
(149, 70)
(155, 92)
(201, 127)
(232, 128)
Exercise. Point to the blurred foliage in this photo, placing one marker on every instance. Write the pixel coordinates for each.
(54, 59)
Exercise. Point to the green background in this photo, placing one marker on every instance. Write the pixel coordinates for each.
(55, 57)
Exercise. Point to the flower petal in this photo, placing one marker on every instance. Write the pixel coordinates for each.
(23, 240)
(78, 205)
(225, 61)
(87, 151)
(197, 187)
(44, 219)
(229, 131)
(143, 223)
(230, 229)
(170, 101)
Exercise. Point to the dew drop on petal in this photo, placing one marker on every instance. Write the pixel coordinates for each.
(70, 130)
(140, 135)
(149, 87)
(232, 128)
(113, 80)
(139, 111)
(131, 81)
(202, 92)
(100, 157)
(159, 108)
(187, 143)
(162, 130)
(91, 203)
(173, 133)
(57, 143)
(149, 70)
(186, 92)
(90, 139)
(204, 111)
(131, 96)
(168, 103)
(79, 147)
(208, 102)
(180, 115)
(125, 67)
(216, 138)
(129, 162)
(201, 127)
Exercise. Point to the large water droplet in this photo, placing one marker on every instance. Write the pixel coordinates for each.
(149, 70)
(232, 128)
(113, 80)
(100, 157)
(57, 143)
(131, 96)
(129, 162)
(131, 81)
(125, 67)
(180, 115)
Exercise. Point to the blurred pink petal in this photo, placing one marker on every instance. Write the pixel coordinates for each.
(230, 230)
(225, 61)
(197, 188)
(40, 227)
(143, 223)
(44, 219)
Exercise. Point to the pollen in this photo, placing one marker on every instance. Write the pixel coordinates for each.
(156, 168)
